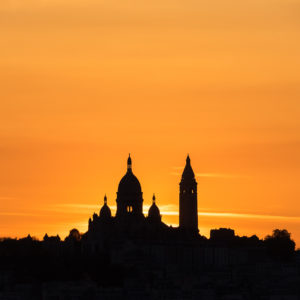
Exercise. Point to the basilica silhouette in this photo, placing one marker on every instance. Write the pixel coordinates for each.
(133, 256)
(130, 222)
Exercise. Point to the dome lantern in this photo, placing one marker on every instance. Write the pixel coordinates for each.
(129, 163)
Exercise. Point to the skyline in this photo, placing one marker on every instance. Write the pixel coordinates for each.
(169, 212)
(85, 83)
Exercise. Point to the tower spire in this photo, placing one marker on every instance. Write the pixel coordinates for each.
(188, 160)
(153, 198)
(188, 173)
(105, 199)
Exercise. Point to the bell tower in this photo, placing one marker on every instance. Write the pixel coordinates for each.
(188, 208)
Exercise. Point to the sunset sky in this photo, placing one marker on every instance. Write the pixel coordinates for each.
(85, 82)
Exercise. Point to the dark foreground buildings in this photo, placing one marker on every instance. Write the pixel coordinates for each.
(133, 256)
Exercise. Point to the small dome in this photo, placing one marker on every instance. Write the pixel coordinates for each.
(154, 212)
(105, 210)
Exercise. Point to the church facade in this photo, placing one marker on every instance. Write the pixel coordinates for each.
(130, 222)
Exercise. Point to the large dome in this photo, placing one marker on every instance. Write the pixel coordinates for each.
(129, 195)
(129, 184)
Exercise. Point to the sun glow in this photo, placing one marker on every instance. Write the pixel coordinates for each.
(83, 83)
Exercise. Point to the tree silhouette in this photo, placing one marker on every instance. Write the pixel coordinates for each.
(280, 245)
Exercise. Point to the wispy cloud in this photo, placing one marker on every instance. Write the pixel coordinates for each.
(237, 215)
(212, 175)
(251, 216)
(97, 207)
(175, 173)
(218, 175)
(21, 214)
(207, 175)
(173, 210)
(78, 206)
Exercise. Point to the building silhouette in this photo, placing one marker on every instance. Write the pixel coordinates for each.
(130, 222)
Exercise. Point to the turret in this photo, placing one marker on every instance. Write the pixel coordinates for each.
(154, 213)
(105, 212)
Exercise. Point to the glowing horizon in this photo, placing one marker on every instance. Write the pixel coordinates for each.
(165, 210)
(83, 83)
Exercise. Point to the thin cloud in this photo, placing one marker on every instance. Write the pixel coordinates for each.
(165, 210)
(162, 208)
(78, 205)
(21, 214)
(236, 215)
(250, 216)
(218, 175)
(211, 175)
(175, 173)
(97, 207)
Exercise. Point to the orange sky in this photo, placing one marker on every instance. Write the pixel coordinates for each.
(83, 83)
